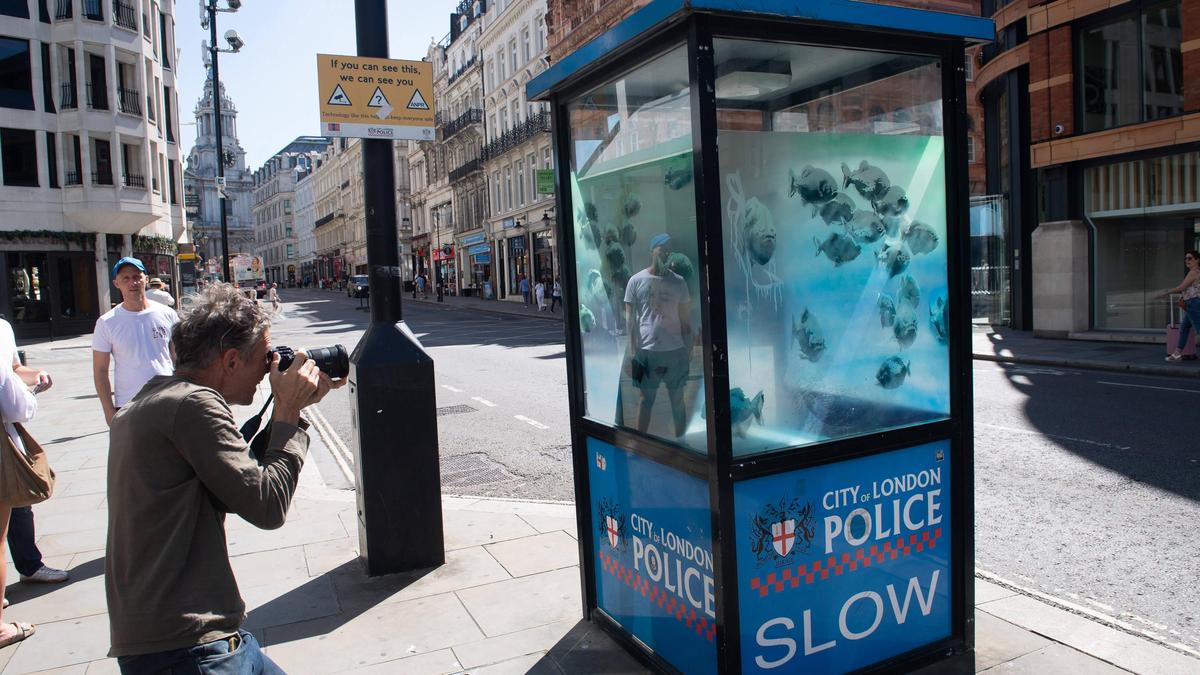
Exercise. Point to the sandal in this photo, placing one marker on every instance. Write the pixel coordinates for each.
(26, 629)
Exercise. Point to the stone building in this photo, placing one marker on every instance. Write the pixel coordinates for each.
(275, 237)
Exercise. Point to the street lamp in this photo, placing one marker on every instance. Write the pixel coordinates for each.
(208, 19)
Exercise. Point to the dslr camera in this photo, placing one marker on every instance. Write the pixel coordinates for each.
(333, 361)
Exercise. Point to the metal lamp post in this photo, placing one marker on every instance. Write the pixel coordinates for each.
(208, 19)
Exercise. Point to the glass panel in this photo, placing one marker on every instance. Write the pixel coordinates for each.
(1111, 81)
(635, 229)
(833, 181)
(27, 287)
(1162, 35)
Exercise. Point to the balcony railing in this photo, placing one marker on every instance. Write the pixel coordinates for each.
(459, 73)
(124, 15)
(63, 9)
(129, 101)
(133, 180)
(67, 98)
(465, 170)
(535, 125)
(323, 219)
(102, 178)
(73, 178)
(97, 97)
(472, 116)
(93, 9)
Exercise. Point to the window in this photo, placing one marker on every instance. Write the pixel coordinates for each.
(495, 192)
(287, 206)
(19, 150)
(162, 29)
(17, 8)
(546, 164)
(525, 45)
(500, 61)
(539, 26)
(503, 120)
(970, 149)
(516, 112)
(533, 193)
(52, 158)
(508, 196)
(512, 54)
(16, 77)
(171, 187)
(520, 183)
(168, 117)
(1132, 67)
(47, 90)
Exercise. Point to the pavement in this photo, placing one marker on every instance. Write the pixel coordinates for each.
(506, 601)
(1095, 351)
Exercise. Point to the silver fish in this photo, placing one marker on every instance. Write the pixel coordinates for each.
(865, 227)
(892, 372)
(742, 410)
(910, 292)
(758, 228)
(633, 205)
(887, 311)
(938, 322)
(587, 320)
(837, 211)
(682, 265)
(678, 173)
(894, 202)
(895, 258)
(615, 255)
(838, 247)
(808, 336)
(815, 186)
(628, 234)
(870, 181)
(905, 329)
(920, 237)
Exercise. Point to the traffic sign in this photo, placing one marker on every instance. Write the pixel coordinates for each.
(357, 93)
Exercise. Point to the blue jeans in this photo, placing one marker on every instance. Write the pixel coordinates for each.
(219, 657)
(1191, 319)
(25, 554)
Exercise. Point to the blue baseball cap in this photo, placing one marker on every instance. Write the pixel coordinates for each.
(660, 240)
(127, 261)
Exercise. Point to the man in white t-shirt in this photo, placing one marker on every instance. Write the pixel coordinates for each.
(135, 335)
(156, 291)
(657, 306)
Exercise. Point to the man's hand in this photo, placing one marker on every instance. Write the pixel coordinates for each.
(42, 382)
(298, 387)
(109, 411)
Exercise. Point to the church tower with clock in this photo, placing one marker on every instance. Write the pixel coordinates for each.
(202, 201)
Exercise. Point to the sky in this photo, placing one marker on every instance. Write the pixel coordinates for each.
(273, 80)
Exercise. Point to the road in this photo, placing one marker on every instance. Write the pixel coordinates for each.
(1087, 483)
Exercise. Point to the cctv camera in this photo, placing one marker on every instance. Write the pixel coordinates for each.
(1058, 128)
(234, 40)
(234, 5)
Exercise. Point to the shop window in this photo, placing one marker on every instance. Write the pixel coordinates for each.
(16, 77)
(19, 150)
(1132, 67)
(26, 288)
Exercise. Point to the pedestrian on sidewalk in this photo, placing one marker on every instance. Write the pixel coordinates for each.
(523, 287)
(539, 293)
(273, 297)
(135, 336)
(555, 295)
(177, 465)
(1190, 303)
(156, 291)
(17, 406)
(420, 286)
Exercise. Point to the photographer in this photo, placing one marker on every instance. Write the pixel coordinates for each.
(177, 465)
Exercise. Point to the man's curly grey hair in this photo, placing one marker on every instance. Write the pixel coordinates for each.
(221, 318)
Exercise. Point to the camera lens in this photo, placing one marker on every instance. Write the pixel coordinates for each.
(333, 361)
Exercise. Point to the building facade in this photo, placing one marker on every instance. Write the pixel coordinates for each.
(275, 182)
(201, 197)
(431, 196)
(305, 218)
(91, 167)
(1093, 134)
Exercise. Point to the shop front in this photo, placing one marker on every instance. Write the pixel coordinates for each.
(443, 260)
(476, 262)
(517, 262)
(48, 286)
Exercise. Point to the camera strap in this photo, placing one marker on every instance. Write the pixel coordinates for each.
(251, 426)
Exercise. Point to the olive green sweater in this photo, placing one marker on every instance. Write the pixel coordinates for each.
(177, 464)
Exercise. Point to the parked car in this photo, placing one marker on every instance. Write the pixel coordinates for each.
(357, 287)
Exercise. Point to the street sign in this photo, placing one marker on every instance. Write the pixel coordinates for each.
(545, 181)
(364, 97)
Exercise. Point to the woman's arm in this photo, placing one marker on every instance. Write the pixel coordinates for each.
(17, 405)
(1187, 281)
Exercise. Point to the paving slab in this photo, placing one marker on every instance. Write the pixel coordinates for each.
(587, 650)
(998, 641)
(293, 533)
(278, 566)
(43, 603)
(1055, 658)
(543, 523)
(986, 591)
(60, 644)
(463, 529)
(441, 662)
(528, 602)
(103, 667)
(327, 556)
(301, 599)
(539, 553)
(73, 542)
(537, 640)
(464, 568)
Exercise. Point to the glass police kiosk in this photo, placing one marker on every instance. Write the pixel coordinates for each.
(764, 228)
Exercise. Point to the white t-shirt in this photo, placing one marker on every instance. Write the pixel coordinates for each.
(160, 296)
(16, 402)
(140, 344)
(656, 301)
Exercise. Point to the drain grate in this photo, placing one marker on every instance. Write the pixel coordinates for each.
(455, 410)
(473, 470)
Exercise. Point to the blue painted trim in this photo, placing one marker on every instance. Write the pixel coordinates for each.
(849, 13)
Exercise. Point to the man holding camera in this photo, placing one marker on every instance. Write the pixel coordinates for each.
(177, 465)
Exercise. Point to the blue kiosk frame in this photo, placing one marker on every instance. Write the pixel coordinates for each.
(764, 229)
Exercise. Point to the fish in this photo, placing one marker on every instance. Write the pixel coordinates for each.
(620, 277)
(628, 234)
(742, 410)
(615, 255)
(937, 320)
(678, 173)
(910, 292)
(587, 320)
(633, 205)
(905, 328)
(870, 181)
(895, 258)
(682, 265)
(893, 203)
(808, 336)
(815, 186)
(587, 235)
(920, 237)
(589, 209)
(887, 310)
(837, 211)
(609, 235)
(865, 227)
(838, 247)
(758, 228)
(892, 372)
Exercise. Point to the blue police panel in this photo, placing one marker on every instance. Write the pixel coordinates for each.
(844, 565)
(653, 555)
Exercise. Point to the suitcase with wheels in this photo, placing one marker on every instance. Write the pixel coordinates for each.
(1189, 349)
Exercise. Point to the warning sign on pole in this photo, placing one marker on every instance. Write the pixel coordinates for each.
(357, 94)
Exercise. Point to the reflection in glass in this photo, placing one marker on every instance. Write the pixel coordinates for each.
(1111, 81)
(635, 241)
(27, 288)
(1162, 33)
(833, 182)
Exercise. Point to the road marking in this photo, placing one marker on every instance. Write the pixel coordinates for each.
(341, 454)
(531, 422)
(1042, 433)
(1147, 386)
(483, 401)
(454, 389)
